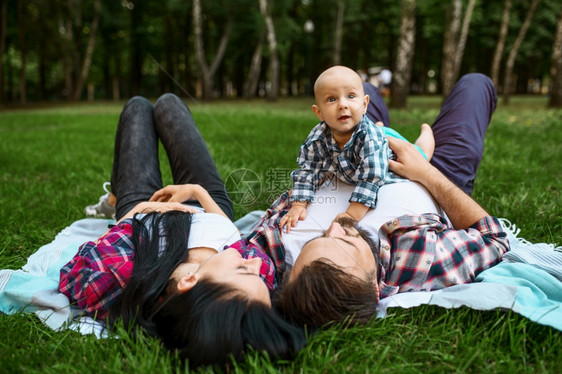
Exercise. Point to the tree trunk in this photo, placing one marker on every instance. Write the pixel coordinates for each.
(450, 46)
(453, 47)
(339, 32)
(23, 53)
(462, 41)
(136, 53)
(501, 44)
(265, 10)
(68, 49)
(85, 71)
(556, 68)
(403, 68)
(251, 83)
(76, 24)
(3, 10)
(515, 49)
(208, 72)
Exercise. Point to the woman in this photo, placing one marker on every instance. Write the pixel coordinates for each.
(166, 265)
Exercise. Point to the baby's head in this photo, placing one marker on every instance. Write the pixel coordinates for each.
(340, 100)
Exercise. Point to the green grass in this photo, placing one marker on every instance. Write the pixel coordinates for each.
(54, 160)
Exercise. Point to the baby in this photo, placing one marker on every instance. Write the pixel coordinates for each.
(345, 143)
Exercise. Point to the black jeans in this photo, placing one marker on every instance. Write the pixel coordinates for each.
(136, 169)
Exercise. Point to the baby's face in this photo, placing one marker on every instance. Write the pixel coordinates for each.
(340, 100)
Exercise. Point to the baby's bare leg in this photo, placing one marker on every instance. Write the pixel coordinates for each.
(426, 141)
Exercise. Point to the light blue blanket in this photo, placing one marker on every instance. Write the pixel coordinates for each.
(528, 281)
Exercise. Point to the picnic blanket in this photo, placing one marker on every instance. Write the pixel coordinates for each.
(527, 281)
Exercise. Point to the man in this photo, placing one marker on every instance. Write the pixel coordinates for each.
(344, 271)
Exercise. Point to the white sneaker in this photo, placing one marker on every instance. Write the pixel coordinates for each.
(102, 209)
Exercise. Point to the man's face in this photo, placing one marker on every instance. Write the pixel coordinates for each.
(346, 246)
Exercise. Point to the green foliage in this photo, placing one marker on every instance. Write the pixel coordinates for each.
(54, 161)
(132, 34)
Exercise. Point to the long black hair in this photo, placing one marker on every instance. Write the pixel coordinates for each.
(206, 324)
(160, 242)
(211, 322)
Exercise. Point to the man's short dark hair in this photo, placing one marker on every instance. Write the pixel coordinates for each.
(323, 293)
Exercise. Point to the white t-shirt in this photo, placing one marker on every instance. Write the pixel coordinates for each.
(212, 231)
(394, 200)
(209, 230)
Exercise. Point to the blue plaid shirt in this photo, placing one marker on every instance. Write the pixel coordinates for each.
(363, 161)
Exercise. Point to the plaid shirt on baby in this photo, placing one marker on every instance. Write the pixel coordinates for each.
(363, 161)
(423, 253)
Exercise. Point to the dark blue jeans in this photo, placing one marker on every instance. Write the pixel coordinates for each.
(136, 169)
(459, 129)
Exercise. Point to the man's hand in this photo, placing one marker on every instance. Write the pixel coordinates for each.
(409, 161)
(295, 214)
(356, 211)
(460, 208)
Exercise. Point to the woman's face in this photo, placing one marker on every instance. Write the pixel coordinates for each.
(226, 267)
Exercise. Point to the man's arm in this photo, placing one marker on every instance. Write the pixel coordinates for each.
(461, 209)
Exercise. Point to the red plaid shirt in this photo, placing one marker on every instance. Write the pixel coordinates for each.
(99, 271)
(96, 275)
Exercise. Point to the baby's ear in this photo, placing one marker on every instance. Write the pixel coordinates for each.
(317, 111)
(366, 103)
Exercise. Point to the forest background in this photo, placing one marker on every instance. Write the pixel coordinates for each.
(70, 50)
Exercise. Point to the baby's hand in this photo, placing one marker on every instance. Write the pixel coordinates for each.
(344, 215)
(295, 214)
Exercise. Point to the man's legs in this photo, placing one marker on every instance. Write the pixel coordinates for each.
(460, 128)
(136, 170)
(189, 156)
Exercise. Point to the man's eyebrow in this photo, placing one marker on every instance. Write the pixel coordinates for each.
(349, 242)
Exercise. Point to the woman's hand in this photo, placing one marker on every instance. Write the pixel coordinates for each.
(154, 206)
(177, 193)
(182, 192)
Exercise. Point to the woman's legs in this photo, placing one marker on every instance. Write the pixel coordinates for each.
(136, 170)
(460, 128)
(189, 156)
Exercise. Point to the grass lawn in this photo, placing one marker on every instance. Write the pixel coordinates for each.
(54, 161)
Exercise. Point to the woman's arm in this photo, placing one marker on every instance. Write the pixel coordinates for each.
(150, 206)
(179, 193)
